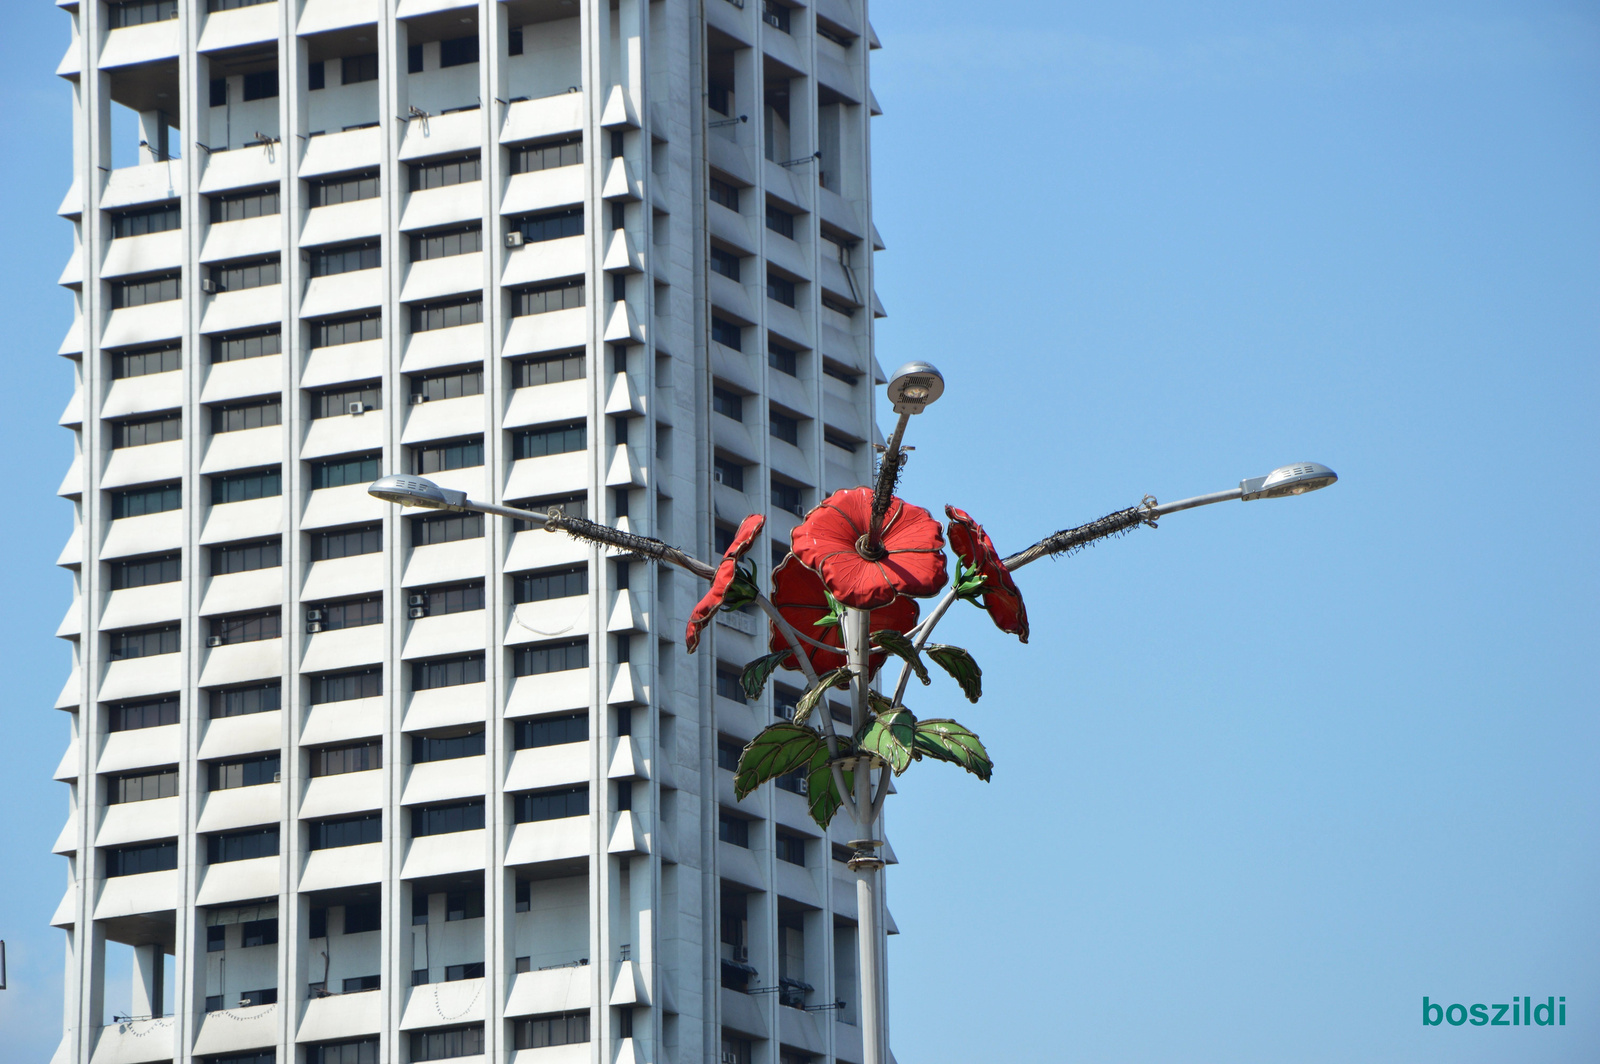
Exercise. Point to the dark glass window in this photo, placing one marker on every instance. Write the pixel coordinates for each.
(137, 502)
(244, 275)
(331, 191)
(236, 417)
(445, 172)
(362, 916)
(259, 932)
(443, 1045)
(783, 427)
(147, 430)
(837, 306)
(142, 787)
(443, 457)
(346, 542)
(456, 972)
(443, 819)
(145, 643)
(242, 487)
(425, 317)
(551, 369)
(839, 374)
(448, 242)
(545, 298)
(729, 472)
(792, 848)
(552, 584)
(346, 330)
(144, 290)
(726, 263)
(551, 657)
(728, 404)
(569, 505)
(357, 68)
(449, 385)
(360, 1051)
(546, 155)
(346, 258)
(551, 805)
(727, 333)
(242, 701)
(426, 748)
(149, 360)
(342, 472)
(247, 345)
(775, 15)
(143, 572)
(728, 753)
(553, 439)
(251, 772)
(242, 845)
(262, 85)
(160, 219)
(551, 731)
(841, 442)
(514, 42)
(725, 194)
(733, 829)
(445, 528)
(458, 51)
(441, 601)
(355, 613)
(561, 1029)
(793, 782)
(134, 860)
(783, 359)
(237, 206)
(219, 92)
(414, 59)
(132, 716)
(316, 76)
(552, 226)
(728, 685)
(247, 627)
(337, 760)
(447, 672)
(780, 290)
(347, 831)
(345, 686)
(787, 497)
(340, 402)
(139, 12)
(780, 221)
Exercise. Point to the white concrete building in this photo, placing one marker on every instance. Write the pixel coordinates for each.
(353, 785)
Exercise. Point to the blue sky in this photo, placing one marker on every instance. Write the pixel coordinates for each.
(1272, 772)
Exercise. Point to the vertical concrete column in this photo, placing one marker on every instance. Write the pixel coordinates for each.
(148, 979)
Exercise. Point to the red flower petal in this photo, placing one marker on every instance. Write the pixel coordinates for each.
(1000, 595)
(913, 561)
(727, 569)
(799, 596)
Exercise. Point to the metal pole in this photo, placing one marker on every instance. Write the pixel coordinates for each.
(865, 862)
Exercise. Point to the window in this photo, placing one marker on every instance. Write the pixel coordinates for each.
(362, 916)
(338, 403)
(337, 760)
(725, 262)
(347, 831)
(444, 819)
(546, 155)
(551, 369)
(445, 528)
(728, 685)
(456, 972)
(332, 191)
(551, 657)
(728, 753)
(551, 584)
(262, 85)
(450, 385)
(458, 51)
(244, 275)
(787, 497)
(563, 295)
(793, 782)
(727, 471)
(839, 374)
(135, 860)
(727, 333)
(316, 76)
(237, 206)
(139, 12)
(775, 15)
(458, 598)
(783, 359)
(837, 306)
(551, 731)
(357, 68)
(144, 362)
(132, 716)
(143, 572)
(447, 672)
(780, 221)
(242, 845)
(733, 829)
(216, 938)
(347, 258)
(783, 427)
(442, 1045)
(360, 1051)
(242, 701)
(426, 748)
(444, 172)
(569, 505)
(242, 487)
(246, 998)
(160, 219)
(145, 642)
(346, 686)
(836, 34)
(446, 243)
(443, 457)
(246, 345)
(146, 430)
(346, 330)
(552, 226)
(560, 1029)
(514, 42)
(780, 290)
(247, 627)
(551, 805)
(354, 613)
(792, 848)
(246, 557)
(346, 542)
(219, 92)
(251, 772)
(717, 97)
(142, 787)
(144, 290)
(137, 502)
(235, 417)
(425, 317)
(554, 439)
(725, 194)
(414, 59)
(836, 440)
(728, 404)
(344, 472)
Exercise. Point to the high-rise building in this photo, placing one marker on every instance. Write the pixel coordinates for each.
(351, 784)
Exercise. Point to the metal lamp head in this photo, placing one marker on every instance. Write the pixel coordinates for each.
(1288, 480)
(914, 386)
(416, 491)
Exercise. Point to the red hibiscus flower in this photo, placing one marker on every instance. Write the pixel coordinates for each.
(727, 573)
(798, 594)
(986, 576)
(832, 541)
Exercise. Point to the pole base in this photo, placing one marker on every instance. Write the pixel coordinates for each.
(865, 858)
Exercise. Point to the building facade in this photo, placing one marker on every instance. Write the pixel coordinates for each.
(351, 784)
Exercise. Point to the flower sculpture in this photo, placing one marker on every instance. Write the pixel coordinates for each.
(730, 587)
(803, 601)
(833, 542)
(983, 573)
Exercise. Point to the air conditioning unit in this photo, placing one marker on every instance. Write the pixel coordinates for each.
(741, 953)
(313, 615)
(418, 599)
(418, 398)
(716, 474)
(208, 286)
(514, 239)
(277, 777)
(358, 407)
(772, 20)
(313, 627)
(213, 640)
(417, 612)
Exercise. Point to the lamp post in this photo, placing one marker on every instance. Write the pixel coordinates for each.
(862, 557)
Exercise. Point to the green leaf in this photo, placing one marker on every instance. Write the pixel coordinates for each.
(779, 749)
(878, 703)
(834, 614)
(822, 796)
(891, 736)
(809, 700)
(756, 674)
(945, 740)
(897, 644)
(958, 663)
(743, 590)
(969, 582)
